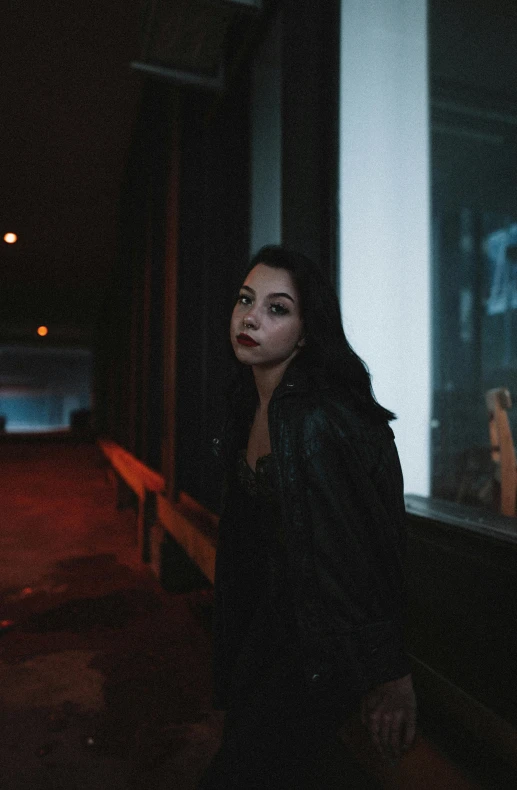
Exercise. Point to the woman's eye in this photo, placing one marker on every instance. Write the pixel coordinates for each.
(278, 309)
(244, 299)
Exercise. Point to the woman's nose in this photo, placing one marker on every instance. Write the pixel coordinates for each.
(250, 319)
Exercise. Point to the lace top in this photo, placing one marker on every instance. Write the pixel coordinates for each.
(259, 482)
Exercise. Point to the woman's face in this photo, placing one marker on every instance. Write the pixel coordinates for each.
(266, 327)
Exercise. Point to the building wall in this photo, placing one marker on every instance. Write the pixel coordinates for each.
(384, 225)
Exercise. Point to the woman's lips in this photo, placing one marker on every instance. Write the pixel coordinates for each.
(246, 340)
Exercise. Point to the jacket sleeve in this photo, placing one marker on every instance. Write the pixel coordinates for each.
(354, 499)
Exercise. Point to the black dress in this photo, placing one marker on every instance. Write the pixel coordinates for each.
(276, 726)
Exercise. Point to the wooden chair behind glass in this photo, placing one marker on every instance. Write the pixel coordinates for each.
(498, 402)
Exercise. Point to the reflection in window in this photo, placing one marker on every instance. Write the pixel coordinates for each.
(500, 248)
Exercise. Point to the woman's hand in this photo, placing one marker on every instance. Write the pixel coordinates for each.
(389, 713)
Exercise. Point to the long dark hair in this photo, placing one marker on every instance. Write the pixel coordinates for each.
(327, 353)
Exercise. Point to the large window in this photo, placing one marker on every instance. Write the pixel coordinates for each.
(474, 178)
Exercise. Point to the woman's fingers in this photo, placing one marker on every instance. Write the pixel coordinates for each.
(391, 731)
(387, 732)
(389, 713)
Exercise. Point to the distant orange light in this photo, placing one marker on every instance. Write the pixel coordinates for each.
(42, 331)
(10, 238)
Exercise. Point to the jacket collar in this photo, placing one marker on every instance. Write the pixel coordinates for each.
(300, 378)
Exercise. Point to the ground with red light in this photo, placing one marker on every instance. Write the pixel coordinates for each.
(104, 676)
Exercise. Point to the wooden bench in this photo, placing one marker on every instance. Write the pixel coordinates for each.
(145, 484)
(187, 522)
(194, 528)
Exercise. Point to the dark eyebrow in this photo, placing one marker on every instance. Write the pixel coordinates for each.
(274, 296)
(270, 296)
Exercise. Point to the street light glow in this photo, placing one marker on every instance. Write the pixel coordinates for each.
(10, 238)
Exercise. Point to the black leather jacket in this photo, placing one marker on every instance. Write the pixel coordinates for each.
(343, 514)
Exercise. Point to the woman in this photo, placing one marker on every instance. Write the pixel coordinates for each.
(309, 581)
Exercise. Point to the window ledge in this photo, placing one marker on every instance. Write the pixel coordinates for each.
(465, 517)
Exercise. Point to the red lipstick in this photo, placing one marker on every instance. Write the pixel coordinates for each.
(246, 340)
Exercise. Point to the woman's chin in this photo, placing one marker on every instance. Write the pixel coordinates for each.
(243, 354)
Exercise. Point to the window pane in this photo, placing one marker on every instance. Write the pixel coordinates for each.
(474, 177)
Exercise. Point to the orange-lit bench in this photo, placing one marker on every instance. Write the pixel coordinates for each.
(144, 483)
(187, 522)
